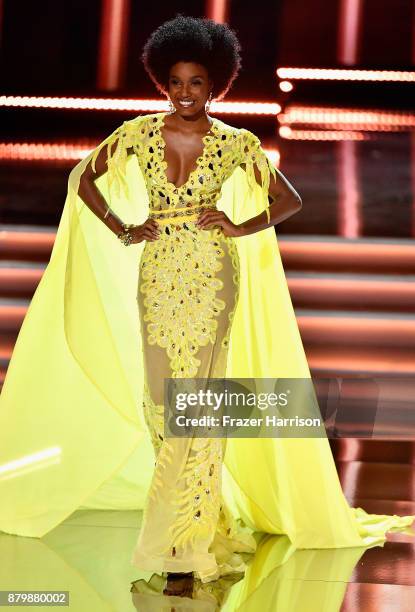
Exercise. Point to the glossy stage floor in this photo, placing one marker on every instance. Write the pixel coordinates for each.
(349, 257)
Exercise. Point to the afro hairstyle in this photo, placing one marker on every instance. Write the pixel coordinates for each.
(193, 39)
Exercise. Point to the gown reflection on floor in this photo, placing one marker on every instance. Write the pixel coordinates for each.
(207, 597)
(278, 577)
(88, 556)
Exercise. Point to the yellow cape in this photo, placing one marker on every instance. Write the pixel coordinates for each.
(72, 431)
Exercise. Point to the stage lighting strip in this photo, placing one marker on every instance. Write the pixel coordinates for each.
(288, 133)
(44, 151)
(347, 119)
(336, 74)
(118, 104)
(32, 151)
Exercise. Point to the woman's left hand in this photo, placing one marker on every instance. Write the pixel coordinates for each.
(209, 219)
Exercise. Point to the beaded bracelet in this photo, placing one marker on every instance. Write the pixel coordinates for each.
(125, 236)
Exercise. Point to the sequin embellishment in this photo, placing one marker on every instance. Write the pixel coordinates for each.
(180, 286)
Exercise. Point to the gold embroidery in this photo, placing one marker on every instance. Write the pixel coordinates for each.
(201, 161)
(233, 251)
(154, 417)
(198, 508)
(225, 148)
(180, 287)
(124, 137)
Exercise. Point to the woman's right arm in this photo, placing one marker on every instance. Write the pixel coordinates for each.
(91, 195)
(94, 199)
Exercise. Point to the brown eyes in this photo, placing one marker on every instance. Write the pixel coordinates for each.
(193, 83)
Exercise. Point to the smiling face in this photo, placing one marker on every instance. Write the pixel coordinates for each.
(189, 87)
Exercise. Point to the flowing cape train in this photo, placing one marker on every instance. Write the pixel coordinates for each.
(72, 432)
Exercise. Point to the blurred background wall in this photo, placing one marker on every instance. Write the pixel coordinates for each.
(54, 47)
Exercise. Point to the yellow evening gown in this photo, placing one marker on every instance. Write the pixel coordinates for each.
(188, 288)
(80, 409)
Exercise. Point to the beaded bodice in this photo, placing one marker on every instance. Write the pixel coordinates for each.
(224, 149)
(203, 185)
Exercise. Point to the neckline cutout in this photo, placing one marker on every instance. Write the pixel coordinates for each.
(205, 141)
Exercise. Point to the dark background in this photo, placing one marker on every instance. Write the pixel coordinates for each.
(52, 47)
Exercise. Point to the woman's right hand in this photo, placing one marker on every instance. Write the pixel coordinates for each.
(149, 230)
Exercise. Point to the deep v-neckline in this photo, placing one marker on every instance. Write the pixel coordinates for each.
(205, 141)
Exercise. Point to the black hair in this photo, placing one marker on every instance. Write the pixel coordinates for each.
(193, 39)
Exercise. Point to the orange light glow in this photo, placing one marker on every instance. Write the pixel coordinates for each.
(115, 18)
(354, 255)
(43, 151)
(350, 25)
(346, 74)
(66, 151)
(218, 10)
(326, 360)
(347, 119)
(364, 331)
(121, 104)
(349, 209)
(293, 134)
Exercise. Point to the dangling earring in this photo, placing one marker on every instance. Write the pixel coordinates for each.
(171, 107)
(207, 105)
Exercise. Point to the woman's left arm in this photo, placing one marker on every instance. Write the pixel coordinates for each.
(285, 203)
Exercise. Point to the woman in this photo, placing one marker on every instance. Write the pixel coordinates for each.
(189, 274)
(213, 300)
